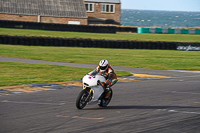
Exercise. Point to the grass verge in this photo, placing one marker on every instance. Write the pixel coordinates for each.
(23, 73)
(117, 36)
(152, 59)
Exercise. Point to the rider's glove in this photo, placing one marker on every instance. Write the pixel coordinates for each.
(103, 84)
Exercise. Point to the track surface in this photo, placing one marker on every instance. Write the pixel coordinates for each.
(149, 106)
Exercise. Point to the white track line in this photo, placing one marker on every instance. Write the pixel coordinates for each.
(184, 71)
(184, 112)
(183, 92)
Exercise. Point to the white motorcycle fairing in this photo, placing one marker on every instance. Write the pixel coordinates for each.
(92, 82)
(92, 92)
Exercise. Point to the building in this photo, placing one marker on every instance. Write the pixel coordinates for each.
(45, 11)
(103, 11)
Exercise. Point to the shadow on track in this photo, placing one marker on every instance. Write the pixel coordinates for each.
(140, 107)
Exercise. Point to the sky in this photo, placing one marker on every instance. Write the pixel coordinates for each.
(169, 5)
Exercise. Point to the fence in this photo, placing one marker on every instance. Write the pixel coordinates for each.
(57, 27)
(68, 42)
(168, 30)
(126, 29)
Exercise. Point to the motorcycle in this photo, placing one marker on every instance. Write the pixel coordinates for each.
(93, 92)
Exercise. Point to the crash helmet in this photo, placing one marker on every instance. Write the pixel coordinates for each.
(103, 65)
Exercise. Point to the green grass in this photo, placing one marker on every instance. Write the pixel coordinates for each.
(23, 73)
(117, 36)
(152, 59)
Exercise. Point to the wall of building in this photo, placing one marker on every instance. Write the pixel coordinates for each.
(98, 14)
(42, 19)
(15, 17)
(63, 20)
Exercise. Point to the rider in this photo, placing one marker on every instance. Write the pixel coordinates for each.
(105, 69)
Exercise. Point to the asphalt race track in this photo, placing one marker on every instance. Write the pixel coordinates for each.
(169, 105)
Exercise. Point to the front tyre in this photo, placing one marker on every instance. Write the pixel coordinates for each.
(81, 99)
(105, 101)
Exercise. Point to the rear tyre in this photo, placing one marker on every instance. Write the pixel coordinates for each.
(81, 99)
(105, 101)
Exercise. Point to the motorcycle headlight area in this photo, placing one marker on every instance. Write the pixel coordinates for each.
(86, 84)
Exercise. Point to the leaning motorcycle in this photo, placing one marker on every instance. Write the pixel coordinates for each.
(92, 92)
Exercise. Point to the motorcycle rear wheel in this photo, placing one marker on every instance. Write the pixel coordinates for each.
(81, 99)
(105, 101)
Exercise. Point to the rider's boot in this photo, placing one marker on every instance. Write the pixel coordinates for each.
(108, 92)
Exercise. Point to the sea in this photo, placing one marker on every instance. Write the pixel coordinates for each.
(150, 18)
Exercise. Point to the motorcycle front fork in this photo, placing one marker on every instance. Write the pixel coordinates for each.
(88, 99)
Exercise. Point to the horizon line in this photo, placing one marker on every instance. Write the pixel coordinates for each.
(160, 10)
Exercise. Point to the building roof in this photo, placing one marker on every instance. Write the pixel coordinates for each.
(104, 1)
(57, 8)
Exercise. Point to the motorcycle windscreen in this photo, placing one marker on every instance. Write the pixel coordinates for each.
(97, 91)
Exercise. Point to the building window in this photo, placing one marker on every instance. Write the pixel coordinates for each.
(109, 8)
(89, 7)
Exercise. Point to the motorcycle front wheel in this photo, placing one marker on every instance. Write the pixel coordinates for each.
(81, 99)
(105, 101)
